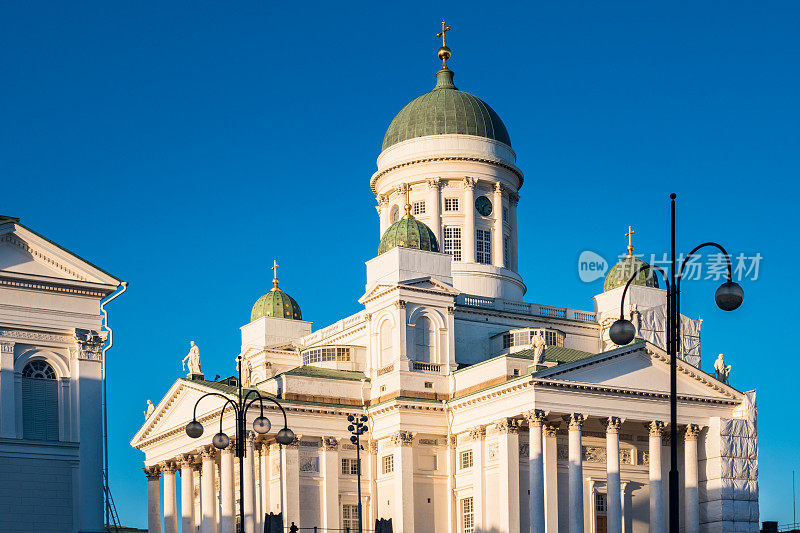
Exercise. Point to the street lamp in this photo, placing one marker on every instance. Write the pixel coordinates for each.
(729, 296)
(261, 425)
(358, 427)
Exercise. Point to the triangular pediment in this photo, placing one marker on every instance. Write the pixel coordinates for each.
(26, 253)
(425, 284)
(642, 367)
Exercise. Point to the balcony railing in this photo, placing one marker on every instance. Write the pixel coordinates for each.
(425, 367)
(547, 311)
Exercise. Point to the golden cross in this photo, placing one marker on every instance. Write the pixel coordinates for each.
(275, 266)
(445, 29)
(630, 243)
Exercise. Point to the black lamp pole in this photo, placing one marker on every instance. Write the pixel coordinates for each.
(260, 425)
(729, 296)
(358, 427)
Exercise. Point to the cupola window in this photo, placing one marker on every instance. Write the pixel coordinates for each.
(418, 208)
(451, 204)
(424, 340)
(452, 242)
(483, 246)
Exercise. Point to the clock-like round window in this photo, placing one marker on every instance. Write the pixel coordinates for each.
(483, 205)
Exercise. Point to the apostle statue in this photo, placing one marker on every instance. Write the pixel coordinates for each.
(150, 409)
(722, 370)
(539, 344)
(194, 359)
(246, 371)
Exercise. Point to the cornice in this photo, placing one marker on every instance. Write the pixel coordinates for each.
(550, 321)
(517, 172)
(13, 281)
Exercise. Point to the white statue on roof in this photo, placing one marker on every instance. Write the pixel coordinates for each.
(246, 372)
(194, 359)
(539, 344)
(722, 370)
(150, 409)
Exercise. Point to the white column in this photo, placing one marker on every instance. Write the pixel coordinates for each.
(8, 425)
(536, 469)
(187, 494)
(227, 519)
(373, 481)
(468, 234)
(550, 459)
(153, 496)
(612, 475)
(404, 481)
(249, 484)
(265, 482)
(435, 209)
(692, 503)
(452, 522)
(508, 452)
(170, 498)
(290, 475)
(656, 481)
(513, 199)
(576, 511)
(478, 435)
(330, 469)
(499, 258)
(208, 500)
(383, 212)
(259, 482)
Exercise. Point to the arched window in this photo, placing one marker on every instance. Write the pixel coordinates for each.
(424, 340)
(39, 401)
(394, 214)
(386, 343)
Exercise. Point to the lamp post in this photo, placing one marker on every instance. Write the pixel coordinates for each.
(729, 296)
(260, 425)
(358, 427)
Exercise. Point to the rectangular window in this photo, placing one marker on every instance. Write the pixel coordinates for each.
(350, 516)
(418, 208)
(388, 464)
(465, 459)
(452, 242)
(508, 340)
(451, 204)
(349, 467)
(600, 504)
(483, 247)
(505, 214)
(467, 516)
(507, 251)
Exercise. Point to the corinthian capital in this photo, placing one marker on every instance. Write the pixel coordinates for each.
(89, 344)
(692, 431)
(498, 188)
(403, 438)
(513, 197)
(434, 183)
(656, 428)
(477, 433)
(575, 421)
(469, 183)
(613, 423)
(507, 425)
(330, 443)
(535, 417)
(153, 473)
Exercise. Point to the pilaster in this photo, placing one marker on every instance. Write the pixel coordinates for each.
(508, 487)
(330, 468)
(404, 480)
(478, 437)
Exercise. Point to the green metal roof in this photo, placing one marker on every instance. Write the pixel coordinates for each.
(408, 232)
(278, 304)
(620, 273)
(6, 218)
(326, 373)
(555, 354)
(445, 110)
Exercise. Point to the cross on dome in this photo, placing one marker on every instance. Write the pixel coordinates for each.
(275, 266)
(444, 51)
(630, 243)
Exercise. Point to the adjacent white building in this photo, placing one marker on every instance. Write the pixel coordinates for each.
(52, 347)
(487, 413)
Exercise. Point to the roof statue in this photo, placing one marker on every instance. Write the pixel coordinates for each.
(194, 359)
(150, 409)
(722, 370)
(246, 371)
(539, 344)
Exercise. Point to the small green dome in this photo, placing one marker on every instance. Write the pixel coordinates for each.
(408, 232)
(445, 110)
(620, 273)
(277, 304)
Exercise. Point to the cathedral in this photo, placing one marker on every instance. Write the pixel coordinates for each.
(485, 413)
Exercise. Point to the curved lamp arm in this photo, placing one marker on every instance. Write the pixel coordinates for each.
(696, 248)
(625, 290)
(227, 401)
(261, 399)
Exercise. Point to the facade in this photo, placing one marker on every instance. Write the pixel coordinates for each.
(52, 348)
(486, 413)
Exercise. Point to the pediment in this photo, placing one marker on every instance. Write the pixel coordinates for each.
(176, 409)
(27, 253)
(642, 367)
(426, 284)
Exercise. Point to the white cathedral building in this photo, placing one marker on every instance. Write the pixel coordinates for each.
(486, 413)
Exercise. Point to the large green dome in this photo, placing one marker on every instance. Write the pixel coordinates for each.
(277, 304)
(445, 110)
(620, 273)
(408, 232)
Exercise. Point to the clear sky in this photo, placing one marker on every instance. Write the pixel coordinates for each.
(182, 146)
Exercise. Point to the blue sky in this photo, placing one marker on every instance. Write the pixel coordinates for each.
(182, 146)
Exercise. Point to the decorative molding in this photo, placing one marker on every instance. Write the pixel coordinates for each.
(208, 452)
(402, 438)
(429, 442)
(330, 443)
(373, 446)
(477, 433)
(497, 162)
(507, 425)
(153, 473)
(89, 344)
(169, 467)
(6, 347)
(434, 183)
(382, 199)
(692, 431)
(34, 335)
(513, 197)
(451, 310)
(400, 304)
